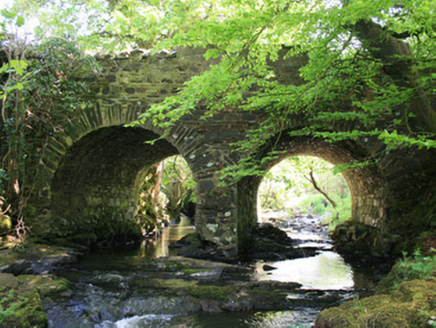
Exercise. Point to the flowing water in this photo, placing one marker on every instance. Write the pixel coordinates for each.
(129, 287)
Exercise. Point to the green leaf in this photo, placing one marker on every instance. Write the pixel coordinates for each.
(8, 14)
(20, 21)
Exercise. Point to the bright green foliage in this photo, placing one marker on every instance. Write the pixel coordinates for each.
(417, 266)
(367, 61)
(410, 267)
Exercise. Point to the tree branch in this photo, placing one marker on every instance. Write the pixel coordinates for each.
(395, 54)
(397, 57)
(317, 188)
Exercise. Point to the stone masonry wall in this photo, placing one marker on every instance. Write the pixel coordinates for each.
(96, 163)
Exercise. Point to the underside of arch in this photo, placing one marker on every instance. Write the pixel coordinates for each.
(102, 172)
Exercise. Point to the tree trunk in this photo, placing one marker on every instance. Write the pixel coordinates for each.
(397, 57)
(317, 188)
(156, 188)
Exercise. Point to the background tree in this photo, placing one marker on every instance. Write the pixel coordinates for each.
(288, 186)
(178, 187)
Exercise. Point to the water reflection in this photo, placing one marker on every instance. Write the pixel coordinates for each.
(324, 271)
(158, 247)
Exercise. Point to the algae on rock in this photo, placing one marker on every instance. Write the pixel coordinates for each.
(20, 299)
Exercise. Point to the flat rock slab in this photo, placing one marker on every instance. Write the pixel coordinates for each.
(32, 258)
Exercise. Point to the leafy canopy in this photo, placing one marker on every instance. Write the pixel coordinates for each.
(368, 62)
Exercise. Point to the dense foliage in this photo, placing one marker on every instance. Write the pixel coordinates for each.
(364, 60)
(39, 93)
(367, 62)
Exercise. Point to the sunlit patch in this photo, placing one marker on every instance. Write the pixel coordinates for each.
(324, 271)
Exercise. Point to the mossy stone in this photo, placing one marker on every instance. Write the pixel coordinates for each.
(5, 223)
(8, 281)
(209, 292)
(20, 306)
(46, 285)
(410, 306)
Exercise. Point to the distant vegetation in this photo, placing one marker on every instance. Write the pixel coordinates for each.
(169, 190)
(289, 186)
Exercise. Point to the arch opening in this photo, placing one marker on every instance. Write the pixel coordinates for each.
(365, 183)
(304, 186)
(96, 188)
(302, 197)
(168, 195)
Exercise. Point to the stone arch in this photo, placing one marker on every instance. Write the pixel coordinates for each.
(104, 170)
(366, 185)
(96, 163)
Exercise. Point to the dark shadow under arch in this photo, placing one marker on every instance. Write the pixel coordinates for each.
(103, 171)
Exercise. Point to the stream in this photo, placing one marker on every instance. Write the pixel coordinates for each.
(147, 286)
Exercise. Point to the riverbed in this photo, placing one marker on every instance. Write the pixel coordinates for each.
(150, 286)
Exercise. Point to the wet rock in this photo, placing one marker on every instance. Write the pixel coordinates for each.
(193, 246)
(267, 267)
(160, 305)
(318, 298)
(273, 244)
(33, 258)
(18, 267)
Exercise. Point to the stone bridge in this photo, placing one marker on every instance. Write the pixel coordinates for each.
(97, 165)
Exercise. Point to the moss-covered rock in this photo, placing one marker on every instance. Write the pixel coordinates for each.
(412, 305)
(46, 285)
(20, 299)
(19, 306)
(217, 293)
(355, 239)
